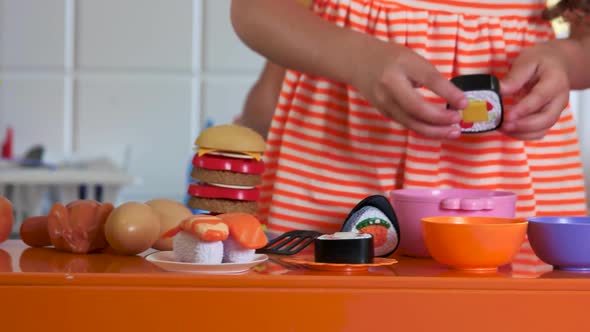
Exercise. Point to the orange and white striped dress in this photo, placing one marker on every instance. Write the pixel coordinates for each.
(328, 148)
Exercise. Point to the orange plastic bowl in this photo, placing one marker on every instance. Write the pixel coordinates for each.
(473, 243)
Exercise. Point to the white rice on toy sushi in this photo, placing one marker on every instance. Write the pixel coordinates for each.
(189, 249)
(234, 253)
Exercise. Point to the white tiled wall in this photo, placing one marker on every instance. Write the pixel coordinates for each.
(135, 35)
(229, 67)
(97, 77)
(32, 34)
(103, 77)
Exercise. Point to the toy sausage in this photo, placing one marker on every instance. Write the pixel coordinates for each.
(33, 232)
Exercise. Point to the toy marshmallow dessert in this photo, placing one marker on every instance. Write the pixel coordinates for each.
(344, 248)
(225, 238)
(375, 216)
(227, 168)
(484, 111)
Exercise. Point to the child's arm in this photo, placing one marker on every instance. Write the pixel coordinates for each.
(579, 59)
(384, 73)
(544, 75)
(262, 99)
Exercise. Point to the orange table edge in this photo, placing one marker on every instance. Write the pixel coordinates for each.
(71, 294)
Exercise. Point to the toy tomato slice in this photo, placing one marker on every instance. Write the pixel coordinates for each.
(221, 163)
(6, 218)
(207, 191)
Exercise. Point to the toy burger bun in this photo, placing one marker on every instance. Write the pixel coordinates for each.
(231, 138)
(227, 168)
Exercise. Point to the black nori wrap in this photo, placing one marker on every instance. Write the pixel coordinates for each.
(382, 203)
(357, 250)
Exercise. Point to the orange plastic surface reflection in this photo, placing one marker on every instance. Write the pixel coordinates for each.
(53, 261)
(5, 261)
(48, 260)
(65, 291)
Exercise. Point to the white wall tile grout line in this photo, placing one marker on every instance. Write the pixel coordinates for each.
(69, 77)
(196, 117)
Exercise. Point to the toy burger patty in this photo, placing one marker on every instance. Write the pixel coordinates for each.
(227, 167)
(227, 170)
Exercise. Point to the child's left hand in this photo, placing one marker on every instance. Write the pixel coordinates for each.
(540, 76)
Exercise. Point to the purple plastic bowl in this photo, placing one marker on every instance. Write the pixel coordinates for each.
(563, 242)
(411, 205)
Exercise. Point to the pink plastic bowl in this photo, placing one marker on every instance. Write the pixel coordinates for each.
(411, 205)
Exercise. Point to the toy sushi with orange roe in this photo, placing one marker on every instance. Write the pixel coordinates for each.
(374, 215)
(245, 236)
(199, 239)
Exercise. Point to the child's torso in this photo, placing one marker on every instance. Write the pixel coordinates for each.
(475, 7)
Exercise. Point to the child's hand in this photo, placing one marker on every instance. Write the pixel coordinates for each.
(540, 76)
(389, 78)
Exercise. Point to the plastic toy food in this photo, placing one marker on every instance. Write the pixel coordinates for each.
(227, 168)
(374, 215)
(344, 248)
(198, 239)
(171, 213)
(79, 226)
(34, 233)
(132, 228)
(228, 238)
(485, 110)
(6, 218)
(245, 236)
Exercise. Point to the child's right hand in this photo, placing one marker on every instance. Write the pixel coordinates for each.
(389, 79)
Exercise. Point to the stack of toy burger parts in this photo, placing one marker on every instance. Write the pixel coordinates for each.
(227, 168)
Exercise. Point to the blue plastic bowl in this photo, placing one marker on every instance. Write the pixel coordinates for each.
(563, 242)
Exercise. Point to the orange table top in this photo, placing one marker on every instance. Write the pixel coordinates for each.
(45, 290)
(20, 264)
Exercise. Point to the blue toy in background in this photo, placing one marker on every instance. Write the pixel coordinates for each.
(189, 180)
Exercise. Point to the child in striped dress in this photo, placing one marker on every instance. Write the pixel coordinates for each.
(362, 110)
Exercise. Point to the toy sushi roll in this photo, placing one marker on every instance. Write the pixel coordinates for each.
(245, 236)
(199, 239)
(344, 248)
(374, 215)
